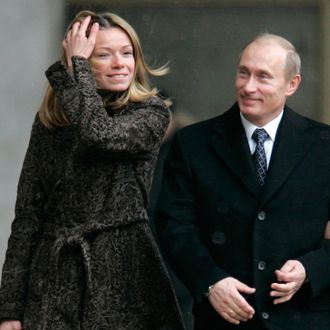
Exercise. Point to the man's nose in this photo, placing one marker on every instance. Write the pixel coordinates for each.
(250, 85)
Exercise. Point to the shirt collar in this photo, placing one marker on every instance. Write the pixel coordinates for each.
(270, 128)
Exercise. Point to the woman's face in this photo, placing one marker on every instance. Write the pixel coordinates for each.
(113, 60)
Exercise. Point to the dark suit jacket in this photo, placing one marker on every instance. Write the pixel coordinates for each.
(215, 220)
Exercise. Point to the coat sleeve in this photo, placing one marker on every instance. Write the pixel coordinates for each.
(137, 133)
(24, 234)
(317, 261)
(177, 225)
(317, 267)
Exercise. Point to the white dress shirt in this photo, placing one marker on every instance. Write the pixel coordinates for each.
(270, 128)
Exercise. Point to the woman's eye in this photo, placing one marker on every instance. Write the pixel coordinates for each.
(103, 55)
(128, 53)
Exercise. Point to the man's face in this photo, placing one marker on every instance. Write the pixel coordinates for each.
(261, 84)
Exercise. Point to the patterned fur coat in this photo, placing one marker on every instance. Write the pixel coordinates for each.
(81, 254)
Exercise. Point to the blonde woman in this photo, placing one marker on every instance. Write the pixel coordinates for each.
(81, 254)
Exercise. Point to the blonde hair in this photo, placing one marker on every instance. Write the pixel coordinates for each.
(50, 112)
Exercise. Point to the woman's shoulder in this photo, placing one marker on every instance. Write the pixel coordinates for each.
(42, 132)
(153, 103)
(156, 100)
(38, 128)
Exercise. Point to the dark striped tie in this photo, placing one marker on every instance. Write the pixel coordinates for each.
(259, 155)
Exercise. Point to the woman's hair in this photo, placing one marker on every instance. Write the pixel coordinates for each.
(50, 112)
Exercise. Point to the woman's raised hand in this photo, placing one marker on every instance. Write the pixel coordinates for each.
(11, 325)
(76, 42)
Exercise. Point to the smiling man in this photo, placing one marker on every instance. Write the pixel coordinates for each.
(244, 211)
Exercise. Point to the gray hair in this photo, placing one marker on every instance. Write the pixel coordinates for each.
(293, 62)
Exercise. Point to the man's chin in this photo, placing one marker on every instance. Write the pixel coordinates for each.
(248, 109)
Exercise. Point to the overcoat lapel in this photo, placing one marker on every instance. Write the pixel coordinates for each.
(291, 145)
(229, 141)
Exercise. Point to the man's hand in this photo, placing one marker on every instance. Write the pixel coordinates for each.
(291, 276)
(11, 325)
(225, 297)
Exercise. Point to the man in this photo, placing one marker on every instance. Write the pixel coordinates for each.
(245, 204)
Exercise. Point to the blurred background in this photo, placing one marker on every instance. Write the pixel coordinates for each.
(200, 40)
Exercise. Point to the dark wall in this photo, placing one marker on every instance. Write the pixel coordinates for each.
(202, 43)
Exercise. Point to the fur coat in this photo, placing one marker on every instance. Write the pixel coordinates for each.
(81, 254)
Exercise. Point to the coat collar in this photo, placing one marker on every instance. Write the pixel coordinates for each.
(229, 141)
(291, 145)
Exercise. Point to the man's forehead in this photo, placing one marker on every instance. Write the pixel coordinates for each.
(261, 45)
(264, 52)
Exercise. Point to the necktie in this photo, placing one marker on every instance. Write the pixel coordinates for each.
(259, 155)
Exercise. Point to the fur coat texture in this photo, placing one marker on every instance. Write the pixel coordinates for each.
(81, 255)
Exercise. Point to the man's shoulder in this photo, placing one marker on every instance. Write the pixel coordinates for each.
(311, 126)
(206, 126)
(199, 127)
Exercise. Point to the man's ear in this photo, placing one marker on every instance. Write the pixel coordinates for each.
(293, 84)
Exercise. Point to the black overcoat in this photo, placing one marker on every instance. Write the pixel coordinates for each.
(81, 255)
(215, 220)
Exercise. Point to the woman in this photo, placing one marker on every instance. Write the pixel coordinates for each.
(81, 254)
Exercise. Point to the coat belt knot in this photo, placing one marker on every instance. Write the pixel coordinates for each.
(67, 238)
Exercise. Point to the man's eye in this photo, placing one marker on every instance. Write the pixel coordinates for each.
(264, 76)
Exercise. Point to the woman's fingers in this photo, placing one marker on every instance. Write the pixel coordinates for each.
(76, 42)
(84, 25)
(74, 29)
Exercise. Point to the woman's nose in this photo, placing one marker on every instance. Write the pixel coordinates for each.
(117, 61)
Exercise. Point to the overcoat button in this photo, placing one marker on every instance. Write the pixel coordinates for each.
(218, 238)
(261, 215)
(261, 265)
(265, 315)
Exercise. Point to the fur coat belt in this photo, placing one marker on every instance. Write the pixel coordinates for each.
(77, 238)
